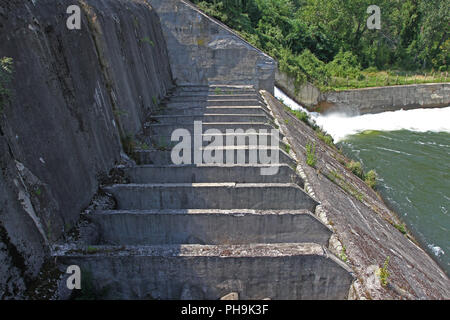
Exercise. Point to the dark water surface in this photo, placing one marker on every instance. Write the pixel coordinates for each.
(414, 180)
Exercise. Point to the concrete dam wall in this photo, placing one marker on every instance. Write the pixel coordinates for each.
(367, 100)
(76, 93)
(204, 51)
(144, 227)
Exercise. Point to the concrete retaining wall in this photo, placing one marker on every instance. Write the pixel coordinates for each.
(275, 271)
(210, 227)
(204, 51)
(74, 93)
(368, 100)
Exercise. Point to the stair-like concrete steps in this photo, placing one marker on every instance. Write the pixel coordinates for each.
(250, 173)
(214, 102)
(262, 196)
(193, 98)
(216, 117)
(241, 110)
(161, 142)
(168, 129)
(256, 271)
(209, 226)
(201, 231)
(230, 155)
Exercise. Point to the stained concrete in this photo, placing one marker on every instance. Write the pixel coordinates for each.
(73, 94)
(205, 51)
(367, 100)
(255, 271)
(250, 173)
(211, 196)
(210, 226)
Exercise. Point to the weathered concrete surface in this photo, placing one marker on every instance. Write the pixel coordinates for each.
(74, 93)
(206, 205)
(367, 100)
(250, 173)
(230, 155)
(204, 51)
(363, 223)
(307, 94)
(256, 271)
(210, 226)
(211, 196)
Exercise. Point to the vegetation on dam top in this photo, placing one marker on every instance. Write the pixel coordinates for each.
(327, 42)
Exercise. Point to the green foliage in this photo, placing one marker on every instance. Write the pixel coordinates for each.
(6, 71)
(328, 139)
(401, 228)
(384, 273)
(356, 168)
(327, 42)
(148, 41)
(311, 157)
(371, 179)
(344, 64)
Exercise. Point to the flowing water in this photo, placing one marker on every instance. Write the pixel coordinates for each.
(410, 150)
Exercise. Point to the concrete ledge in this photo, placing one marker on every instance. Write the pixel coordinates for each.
(241, 110)
(256, 271)
(211, 196)
(157, 157)
(211, 173)
(152, 227)
(224, 117)
(167, 129)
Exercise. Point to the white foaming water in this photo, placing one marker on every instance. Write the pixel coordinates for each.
(340, 125)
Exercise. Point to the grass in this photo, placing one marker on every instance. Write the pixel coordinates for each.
(311, 158)
(373, 78)
(147, 40)
(356, 168)
(217, 91)
(340, 181)
(400, 227)
(6, 71)
(92, 250)
(371, 179)
(328, 139)
(343, 254)
(287, 148)
(384, 273)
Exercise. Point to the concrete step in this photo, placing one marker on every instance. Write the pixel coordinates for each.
(219, 89)
(210, 173)
(188, 119)
(214, 102)
(256, 271)
(263, 196)
(154, 227)
(257, 110)
(230, 155)
(161, 142)
(168, 129)
(211, 96)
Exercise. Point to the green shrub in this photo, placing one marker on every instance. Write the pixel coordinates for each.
(356, 168)
(6, 70)
(311, 158)
(325, 137)
(344, 64)
(371, 179)
(384, 273)
(401, 228)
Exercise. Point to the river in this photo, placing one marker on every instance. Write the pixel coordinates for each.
(410, 151)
